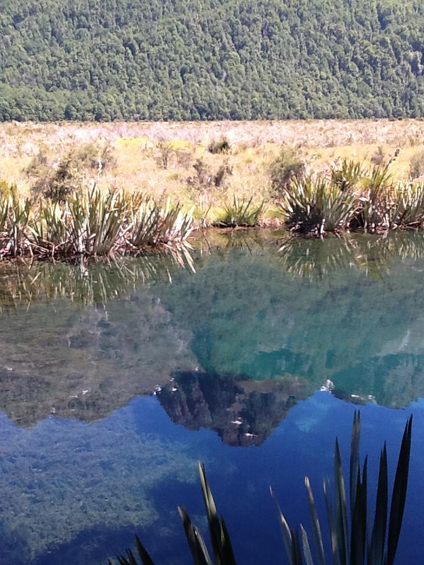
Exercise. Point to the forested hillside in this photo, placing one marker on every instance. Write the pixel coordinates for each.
(210, 59)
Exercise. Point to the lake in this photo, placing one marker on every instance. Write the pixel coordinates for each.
(252, 356)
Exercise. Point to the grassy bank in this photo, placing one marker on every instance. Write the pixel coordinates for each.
(312, 176)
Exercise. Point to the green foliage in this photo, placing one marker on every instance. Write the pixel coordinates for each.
(352, 199)
(407, 207)
(220, 146)
(316, 205)
(347, 174)
(90, 223)
(241, 213)
(152, 225)
(355, 538)
(287, 165)
(166, 60)
(376, 200)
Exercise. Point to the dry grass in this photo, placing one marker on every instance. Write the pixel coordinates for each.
(172, 159)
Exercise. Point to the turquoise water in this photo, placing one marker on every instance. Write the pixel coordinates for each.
(115, 379)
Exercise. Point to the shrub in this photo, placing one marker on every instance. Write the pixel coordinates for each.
(90, 223)
(240, 213)
(60, 181)
(219, 146)
(153, 225)
(379, 157)
(38, 166)
(184, 157)
(406, 209)
(347, 174)
(97, 159)
(375, 202)
(416, 165)
(316, 205)
(221, 174)
(163, 153)
(203, 175)
(284, 168)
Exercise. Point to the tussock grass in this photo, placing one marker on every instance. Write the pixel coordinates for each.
(351, 198)
(174, 160)
(91, 222)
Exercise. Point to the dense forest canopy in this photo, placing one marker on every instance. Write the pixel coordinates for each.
(210, 59)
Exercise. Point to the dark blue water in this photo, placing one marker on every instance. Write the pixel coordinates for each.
(116, 380)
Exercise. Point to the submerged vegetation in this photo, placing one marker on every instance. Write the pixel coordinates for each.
(354, 538)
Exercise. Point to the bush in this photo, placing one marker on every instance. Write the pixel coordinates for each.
(347, 174)
(219, 146)
(90, 156)
(91, 222)
(205, 176)
(60, 181)
(379, 157)
(416, 165)
(241, 213)
(163, 153)
(221, 174)
(287, 165)
(316, 206)
(38, 166)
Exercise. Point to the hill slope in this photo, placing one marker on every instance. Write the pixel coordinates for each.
(210, 59)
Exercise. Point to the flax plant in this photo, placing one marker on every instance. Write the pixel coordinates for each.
(90, 223)
(357, 537)
(153, 225)
(241, 212)
(316, 205)
(407, 207)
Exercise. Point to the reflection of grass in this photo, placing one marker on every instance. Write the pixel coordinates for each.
(316, 260)
(87, 284)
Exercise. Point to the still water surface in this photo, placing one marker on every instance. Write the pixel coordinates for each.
(115, 380)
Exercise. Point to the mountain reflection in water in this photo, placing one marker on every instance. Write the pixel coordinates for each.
(242, 412)
(292, 312)
(231, 346)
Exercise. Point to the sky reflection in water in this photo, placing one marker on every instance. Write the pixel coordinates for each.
(235, 354)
